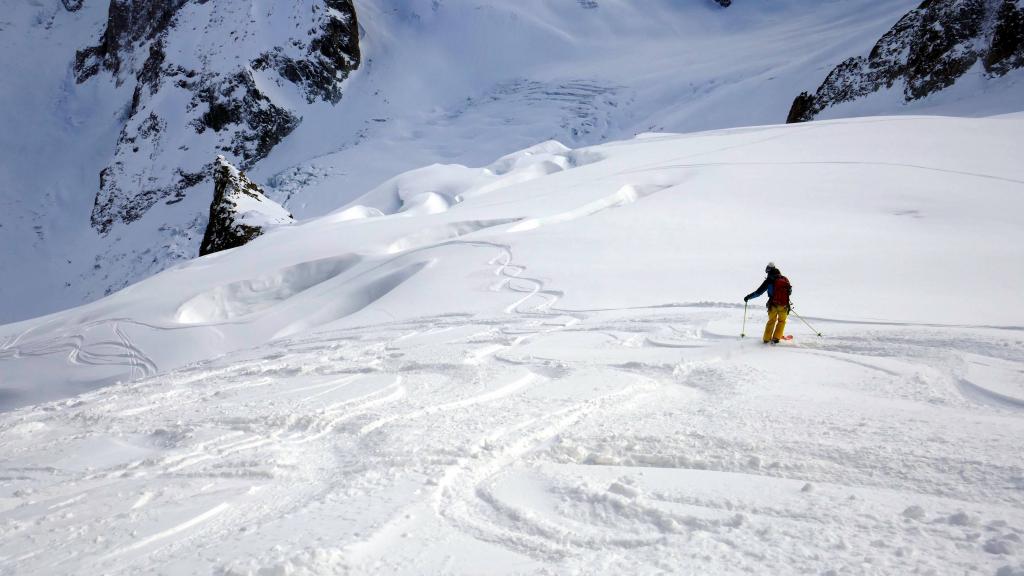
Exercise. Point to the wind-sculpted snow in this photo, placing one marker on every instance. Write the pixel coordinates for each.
(245, 297)
(649, 208)
(547, 376)
(169, 84)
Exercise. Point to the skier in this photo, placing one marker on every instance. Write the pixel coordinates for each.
(779, 290)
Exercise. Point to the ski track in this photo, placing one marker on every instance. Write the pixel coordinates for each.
(465, 501)
(592, 409)
(93, 351)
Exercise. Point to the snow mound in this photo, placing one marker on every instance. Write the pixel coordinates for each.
(357, 295)
(427, 203)
(550, 152)
(435, 189)
(354, 213)
(245, 297)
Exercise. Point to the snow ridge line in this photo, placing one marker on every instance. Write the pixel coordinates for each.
(833, 163)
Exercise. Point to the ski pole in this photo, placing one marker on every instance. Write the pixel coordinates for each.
(804, 321)
(743, 333)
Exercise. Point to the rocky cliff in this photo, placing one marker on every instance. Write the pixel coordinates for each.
(926, 51)
(239, 211)
(210, 77)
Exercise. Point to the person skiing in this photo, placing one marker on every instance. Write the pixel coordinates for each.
(779, 290)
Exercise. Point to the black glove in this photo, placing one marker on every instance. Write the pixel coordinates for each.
(745, 298)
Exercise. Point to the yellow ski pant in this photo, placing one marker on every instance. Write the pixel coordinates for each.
(776, 325)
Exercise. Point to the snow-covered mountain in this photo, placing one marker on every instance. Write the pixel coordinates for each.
(147, 94)
(208, 77)
(483, 313)
(120, 107)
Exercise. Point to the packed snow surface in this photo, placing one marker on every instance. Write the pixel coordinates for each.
(535, 366)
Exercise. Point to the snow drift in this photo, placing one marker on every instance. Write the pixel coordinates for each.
(543, 373)
(873, 220)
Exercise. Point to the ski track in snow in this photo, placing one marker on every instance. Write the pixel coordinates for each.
(533, 437)
(620, 439)
(120, 351)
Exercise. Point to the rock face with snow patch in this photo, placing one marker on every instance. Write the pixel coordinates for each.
(201, 72)
(927, 51)
(239, 211)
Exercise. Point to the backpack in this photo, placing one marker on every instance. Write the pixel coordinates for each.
(781, 291)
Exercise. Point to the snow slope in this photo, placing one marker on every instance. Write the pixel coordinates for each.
(535, 367)
(452, 81)
(56, 138)
(466, 81)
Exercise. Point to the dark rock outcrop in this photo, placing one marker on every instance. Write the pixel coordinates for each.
(925, 52)
(196, 88)
(328, 58)
(1007, 49)
(239, 212)
(128, 23)
(724, 3)
(236, 102)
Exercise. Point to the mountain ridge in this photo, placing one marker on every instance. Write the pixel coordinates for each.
(590, 74)
(176, 106)
(927, 51)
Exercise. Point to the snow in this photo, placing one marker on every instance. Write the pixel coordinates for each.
(505, 337)
(534, 366)
(450, 82)
(55, 138)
